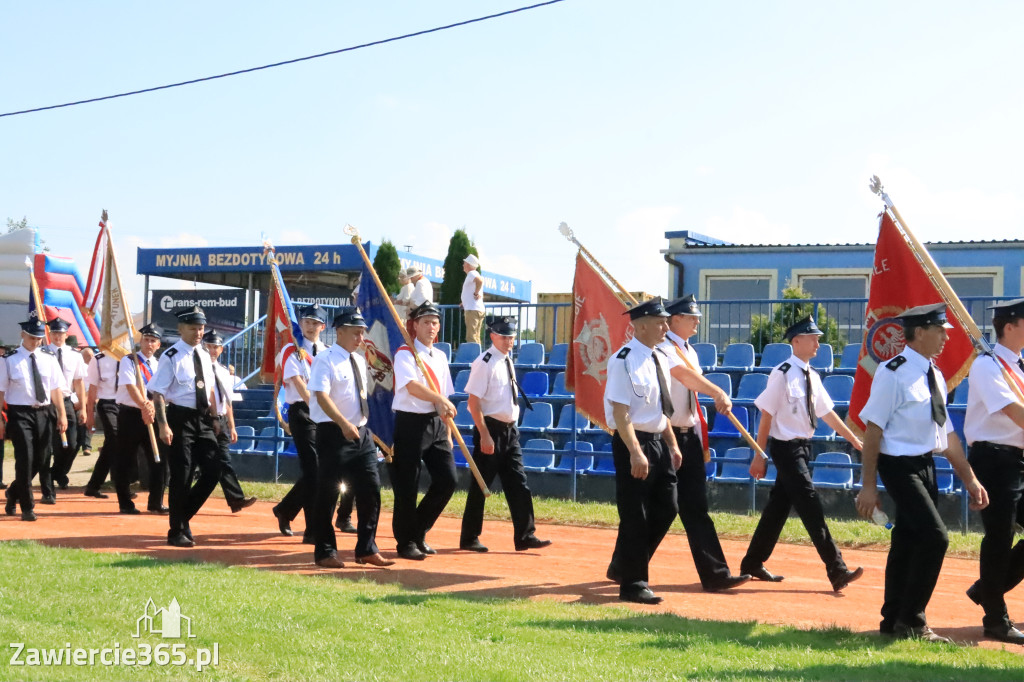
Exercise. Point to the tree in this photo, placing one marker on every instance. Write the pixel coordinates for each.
(459, 247)
(15, 225)
(765, 330)
(388, 265)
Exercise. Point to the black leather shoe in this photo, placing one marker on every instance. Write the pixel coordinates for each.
(613, 574)
(412, 552)
(846, 577)
(11, 506)
(28, 515)
(86, 453)
(188, 534)
(644, 596)
(129, 510)
(532, 542)
(764, 574)
(181, 540)
(283, 524)
(96, 493)
(308, 539)
(425, 548)
(473, 546)
(925, 634)
(159, 510)
(330, 562)
(3, 486)
(62, 482)
(728, 583)
(48, 499)
(974, 593)
(247, 502)
(1005, 633)
(345, 526)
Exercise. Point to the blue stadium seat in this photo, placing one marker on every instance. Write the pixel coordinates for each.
(825, 476)
(583, 462)
(878, 482)
(839, 387)
(603, 465)
(773, 355)
(537, 420)
(266, 446)
(467, 353)
(735, 466)
(535, 384)
(559, 388)
(769, 475)
(445, 348)
(851, 353)
(246, 439)
(824, 432)
(711, 468)
(724, 428)
(751, 386)
(461, 379)
(460, 459)
(463, 418)
(943, 474)
(707, 355)
(559, 355)
(535, 455)
(720, 379)
(738, 357)
(824, 359)
(963, 390)
(530, 355)
(957, 414)
(566, 417)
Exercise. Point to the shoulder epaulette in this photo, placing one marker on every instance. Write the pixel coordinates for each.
(99, 355)
(46, 350)
(487, 356)
(784, 367)
(896, 362)
(170, 352)
(621, 355)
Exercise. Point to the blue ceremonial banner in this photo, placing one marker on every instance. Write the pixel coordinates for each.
(382, 340)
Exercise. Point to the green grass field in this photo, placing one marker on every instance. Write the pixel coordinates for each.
(270, 626)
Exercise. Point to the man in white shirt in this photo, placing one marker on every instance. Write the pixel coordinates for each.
(404, 296)
(73, 368)
(422, 292)
(473, 298)
(101, 378)
(135, 411)
(906, 421)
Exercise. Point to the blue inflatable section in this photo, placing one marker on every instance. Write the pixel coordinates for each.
(58, 298)
(65, 266)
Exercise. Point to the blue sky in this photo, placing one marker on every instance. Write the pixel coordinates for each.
(749, 121)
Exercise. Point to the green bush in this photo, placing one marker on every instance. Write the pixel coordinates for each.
(765, 330)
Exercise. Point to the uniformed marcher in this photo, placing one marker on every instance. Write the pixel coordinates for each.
(101, 401)
(183, 394)
(687, 421)
(906, 422)
(791, 404)
(494, 403)
(73, 368)
(85, 432)
(134, 411)
(638, 406)
(421, 435)
(224, 426)
(344, 443)
(31, 384)
(994, 430)
(295, 372)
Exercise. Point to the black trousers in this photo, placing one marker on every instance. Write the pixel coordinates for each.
(507, 463)
(85, 437)
(133, 443)
(31, 432)
(303, 493)
(919, 540)
(356, 462)
(420, 440)
(345, 502)
(793, 489)
(106, 410)
(193, 444)
(229, 483)
(63, 457)
(646, 508)
(692, 499)
(1001, 471)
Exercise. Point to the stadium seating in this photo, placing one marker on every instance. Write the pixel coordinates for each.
(467, 353)
(825, 476)
(530, 355)
(769, 475)
(851, 353)
(774, 354)
(751, 386)
(538, 420)
(720, 379)
(445, 348)
(839, 387)
(583, 462)
(559, 355)
(246, 439)
(738, 357)
(463, 418)
(823, 360)
(566, 419)
(735, 466)
(604, 465)
(711, 468)
(707, 356)
(724, 428)
(963, 389)
(535, 455)
(265, 445)
(535, 384)
(559, 388)
(460, 459)
(943, 474)
(824, 432)
(461, 379)
(878, 482)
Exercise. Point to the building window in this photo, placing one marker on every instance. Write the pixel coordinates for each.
(739, 299)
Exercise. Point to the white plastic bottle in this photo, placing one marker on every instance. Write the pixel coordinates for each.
(881, 518)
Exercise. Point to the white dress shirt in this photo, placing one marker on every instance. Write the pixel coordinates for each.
(16, 381)
(490, 382)
(682, 416)
(469, 299)
(126, 376)
(332, 374)
(406, 370)
(175, 376)
(223, 392)
(633, 381)
(102, 373)
(901, 404)
(421, 292)
(988, 396)
(297, 367)
(74, 368)
(785, 398)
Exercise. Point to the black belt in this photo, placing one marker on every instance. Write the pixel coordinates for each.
(793, 441)
(684, 429)
(646, 436)
(999, 447)
(25, 408)
(182, 408)
(105, 401)
(498, 424)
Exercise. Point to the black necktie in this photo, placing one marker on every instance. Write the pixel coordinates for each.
(202, 396)
(364, 407)
(810, 399)
(666, 399)
(60, 359)
(938, 405)
(37, 380)
(314, 350)
(516, 388)
(1020, 363)
(219, 387)
(691, 394)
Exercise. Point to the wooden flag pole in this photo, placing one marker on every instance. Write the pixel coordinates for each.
(568, 234)
(452, 428)
(268, 248)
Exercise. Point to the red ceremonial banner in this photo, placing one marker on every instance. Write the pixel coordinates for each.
(599, 328)
(899, 282)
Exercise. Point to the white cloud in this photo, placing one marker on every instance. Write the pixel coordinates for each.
(745, 226)
(431, 240)
(296, 237)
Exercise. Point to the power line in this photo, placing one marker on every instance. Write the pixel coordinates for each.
(286, 62)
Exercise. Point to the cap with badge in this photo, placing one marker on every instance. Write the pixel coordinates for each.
(933, 314)
(213, 338)
(153, 330)
(652, 308)
(687, 305)
(1011, 309)
(193, 315)
(801, 327)
(349, 316)
(33, 327)
(502, 325)
(425, 309)
(471, 260)
(313, 312)
(58, 325)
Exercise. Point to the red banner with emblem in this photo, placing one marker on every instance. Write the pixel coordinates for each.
(599, 328)
(899, 282)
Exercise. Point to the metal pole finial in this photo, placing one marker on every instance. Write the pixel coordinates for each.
(567, 232)
(877, 188)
